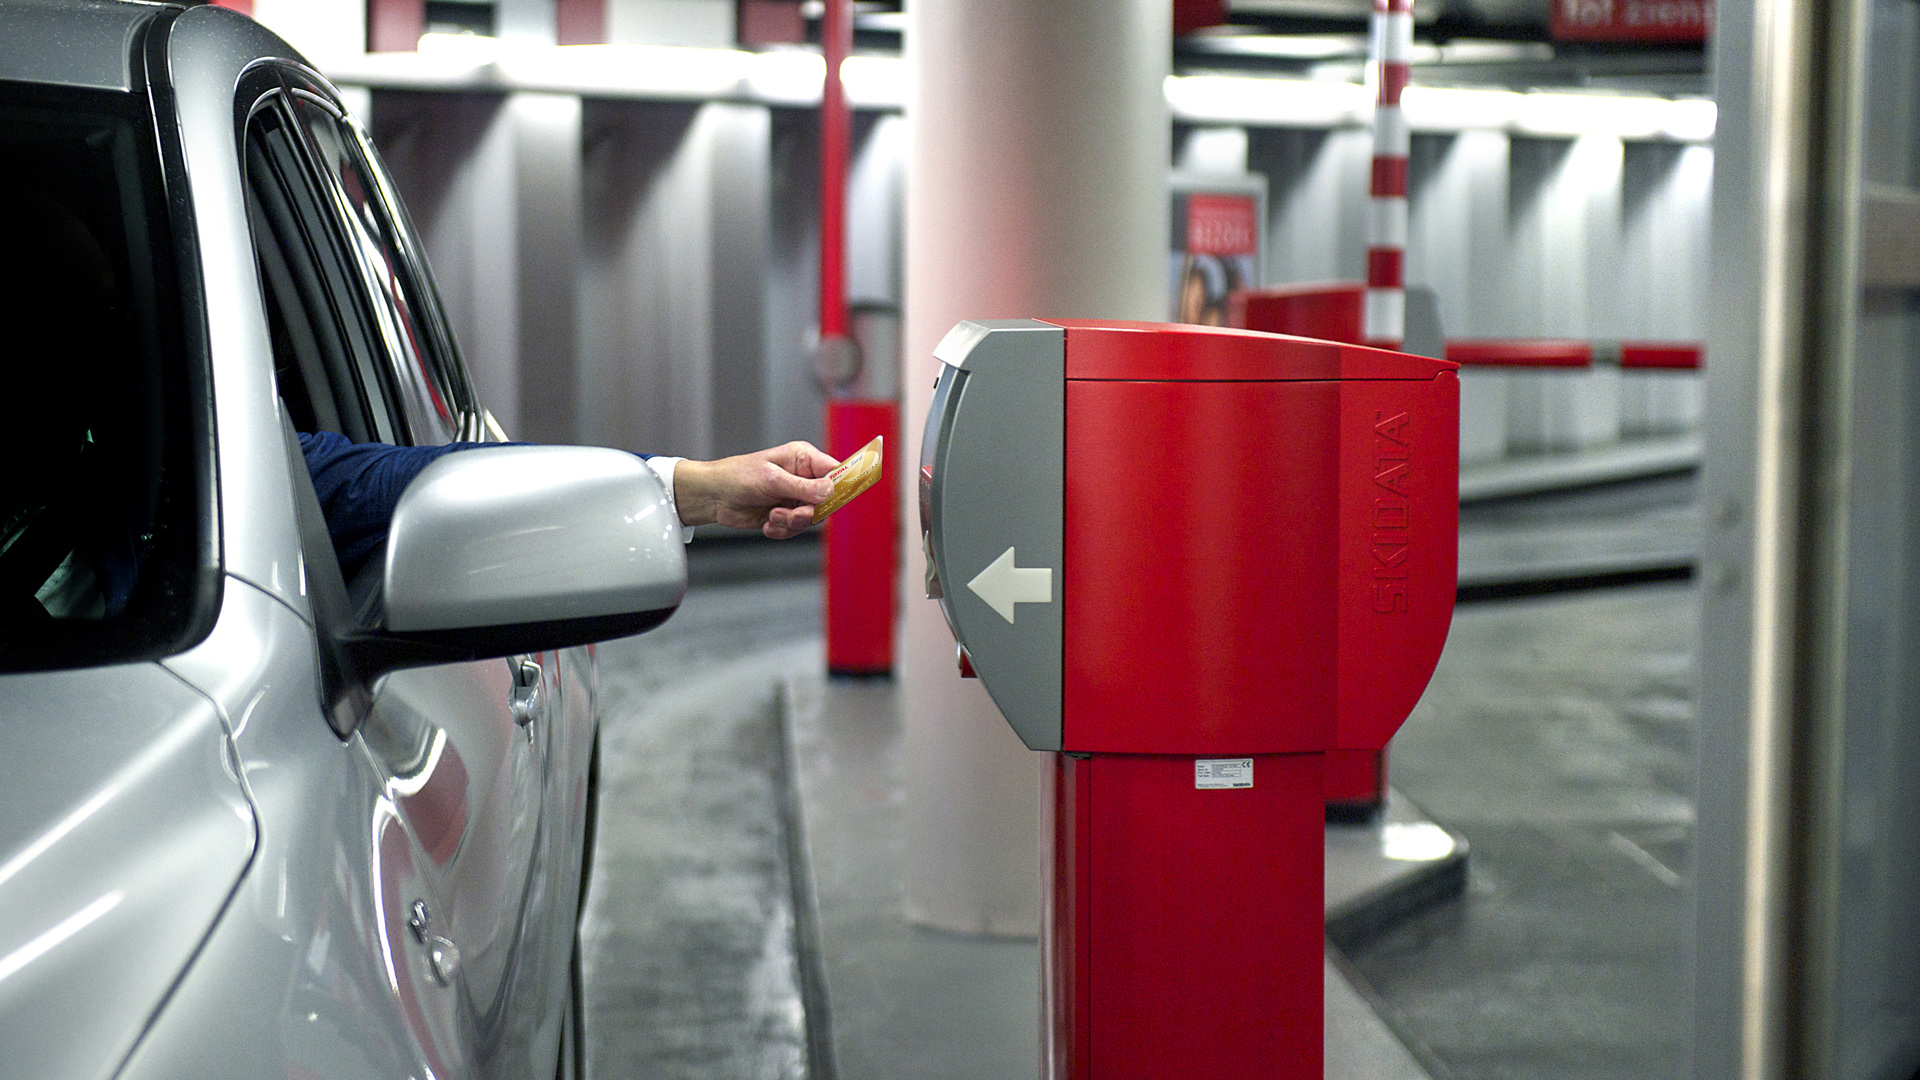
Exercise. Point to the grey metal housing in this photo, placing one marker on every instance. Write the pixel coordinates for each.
(997, 442)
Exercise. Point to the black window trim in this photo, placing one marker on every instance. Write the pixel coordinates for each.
(149, 54)
(388, 365)
(378, 416)
(187, 561)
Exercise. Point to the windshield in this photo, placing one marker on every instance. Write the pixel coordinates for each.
(92, 512)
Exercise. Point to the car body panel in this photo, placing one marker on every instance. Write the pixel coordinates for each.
(312, 959)
(207, 50)
(124, 834)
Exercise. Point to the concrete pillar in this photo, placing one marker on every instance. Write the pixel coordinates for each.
(546, 213)
(1036, 187)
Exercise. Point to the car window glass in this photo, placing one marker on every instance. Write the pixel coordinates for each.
(431, 410)
(444, 370)
(327, 360)
(98, 511)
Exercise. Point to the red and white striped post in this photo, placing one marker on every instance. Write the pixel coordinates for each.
(1356, 780)
(1386, 304)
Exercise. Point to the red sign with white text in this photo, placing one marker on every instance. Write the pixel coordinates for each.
(1632, 20)
(1222, 225)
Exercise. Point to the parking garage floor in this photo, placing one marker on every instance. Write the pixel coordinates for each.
(1557, 737)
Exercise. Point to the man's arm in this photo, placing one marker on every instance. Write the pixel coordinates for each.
(773, 490)
(359, 484)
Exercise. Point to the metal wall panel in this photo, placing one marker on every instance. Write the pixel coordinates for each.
(1807, 963)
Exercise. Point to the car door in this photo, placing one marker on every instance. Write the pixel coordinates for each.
(438, 394)
(464, 875)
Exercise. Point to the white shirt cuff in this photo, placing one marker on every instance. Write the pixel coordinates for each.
(663, 468)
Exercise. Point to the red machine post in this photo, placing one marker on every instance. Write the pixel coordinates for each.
(1256, 556)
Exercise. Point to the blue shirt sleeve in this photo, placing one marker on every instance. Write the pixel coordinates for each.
(360, 484)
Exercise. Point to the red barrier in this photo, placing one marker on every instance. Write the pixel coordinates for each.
(1521, 352)
(1668, 355)
(1334, 311)
(1568, 353)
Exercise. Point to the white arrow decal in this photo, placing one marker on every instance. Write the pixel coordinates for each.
(1003, 585)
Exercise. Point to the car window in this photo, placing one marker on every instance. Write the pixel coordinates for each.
(329, 362)
(430, 398)
(99, 506)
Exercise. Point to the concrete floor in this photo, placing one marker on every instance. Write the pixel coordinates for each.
(1558, 737)
(689, 947)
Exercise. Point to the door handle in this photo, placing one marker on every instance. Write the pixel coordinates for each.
(529, 693)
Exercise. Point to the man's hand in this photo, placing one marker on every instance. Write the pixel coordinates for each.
(773, 490)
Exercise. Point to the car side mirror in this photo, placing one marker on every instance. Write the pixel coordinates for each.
(518, 549)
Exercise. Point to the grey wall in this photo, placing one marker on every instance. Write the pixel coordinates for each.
(793, 405)
(1519, 237)
(493, 184)
(876, 196)
(674, 256)
(1316, 202)
(655, 286)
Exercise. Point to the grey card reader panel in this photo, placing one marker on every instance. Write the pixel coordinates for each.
(997, 495)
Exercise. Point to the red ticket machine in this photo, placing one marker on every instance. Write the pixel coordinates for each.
(1189, 561)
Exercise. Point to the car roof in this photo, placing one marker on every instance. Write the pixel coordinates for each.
(85, 43)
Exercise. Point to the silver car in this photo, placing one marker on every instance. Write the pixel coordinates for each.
(263, 815)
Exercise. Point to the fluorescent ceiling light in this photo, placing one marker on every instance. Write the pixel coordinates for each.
(1235, 99)
(1692, 119)
(787, 76)
(793, 77)
(1287, 102)
(884, 21)
(1439, 108)
(465, 48)
(875, 82)
(1478, 51)
(663, 70)
(1621, 115)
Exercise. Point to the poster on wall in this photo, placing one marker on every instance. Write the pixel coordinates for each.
(1218, 242)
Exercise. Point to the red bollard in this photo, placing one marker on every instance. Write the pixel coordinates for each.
(862, 542)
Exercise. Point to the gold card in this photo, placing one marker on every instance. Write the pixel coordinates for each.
(850, 478)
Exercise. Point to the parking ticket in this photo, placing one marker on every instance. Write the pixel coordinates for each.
(850, 478)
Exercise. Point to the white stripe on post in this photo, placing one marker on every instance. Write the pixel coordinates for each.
(1386, 316)
(1392, 137)
(1387, 223)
